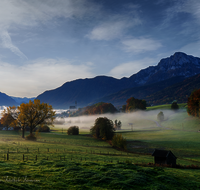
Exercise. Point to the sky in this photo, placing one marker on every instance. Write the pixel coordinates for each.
(45, 43)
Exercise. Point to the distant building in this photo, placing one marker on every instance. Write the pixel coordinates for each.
(164, 157)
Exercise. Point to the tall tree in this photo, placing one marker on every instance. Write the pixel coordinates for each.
(36, 113)
(29, 115)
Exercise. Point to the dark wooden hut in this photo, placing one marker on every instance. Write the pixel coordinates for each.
(164, 157)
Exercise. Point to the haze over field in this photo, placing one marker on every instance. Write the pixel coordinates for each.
(44, 44)
(139, 119)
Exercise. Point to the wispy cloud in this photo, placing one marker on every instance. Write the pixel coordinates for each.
(112, 29)
(130, 68)
(30, 13)
(7, 43)
(114, 26)
(35, 77)
(140, 45)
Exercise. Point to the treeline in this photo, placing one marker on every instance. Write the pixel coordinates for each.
(99, 108)
(133, 104)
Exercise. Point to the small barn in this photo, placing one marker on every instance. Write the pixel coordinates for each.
(164, 157)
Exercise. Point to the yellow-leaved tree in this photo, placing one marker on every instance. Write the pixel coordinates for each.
(30, 115)
(35, 113)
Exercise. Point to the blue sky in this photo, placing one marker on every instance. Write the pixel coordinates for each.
(44, 44)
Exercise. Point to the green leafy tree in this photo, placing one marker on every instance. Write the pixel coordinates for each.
(160, 116)
(73, 130)
(103, 128)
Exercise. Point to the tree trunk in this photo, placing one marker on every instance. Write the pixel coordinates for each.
(23, 129)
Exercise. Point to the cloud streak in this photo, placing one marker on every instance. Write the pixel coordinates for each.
(7, 43)
(113, 28)
(140, 45)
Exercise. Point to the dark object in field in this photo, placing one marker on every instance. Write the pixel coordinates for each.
(164, 157)
(73, 130)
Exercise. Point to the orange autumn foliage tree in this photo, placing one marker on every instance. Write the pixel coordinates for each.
(29, 115)
(9, 116)
(194, 103)
(36, 113)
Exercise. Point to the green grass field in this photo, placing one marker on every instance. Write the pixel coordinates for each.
(59, 161)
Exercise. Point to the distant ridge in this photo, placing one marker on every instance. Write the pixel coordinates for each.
(86, 91)
(6, 100)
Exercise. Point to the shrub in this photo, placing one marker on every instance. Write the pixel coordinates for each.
(43, 128)
(73, 130)
(174, 106)
(119, 141)
(160, 116)
(103, 128)
(31, 137)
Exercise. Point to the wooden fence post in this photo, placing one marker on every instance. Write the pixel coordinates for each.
(36, 157)
(7, 156)
(23, 157)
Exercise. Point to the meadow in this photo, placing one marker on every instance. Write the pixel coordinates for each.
(59, 161)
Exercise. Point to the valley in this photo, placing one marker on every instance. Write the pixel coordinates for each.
(81, 161)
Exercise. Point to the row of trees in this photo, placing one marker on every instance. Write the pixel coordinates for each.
(99, 108)
(29, 115)
(133, 104)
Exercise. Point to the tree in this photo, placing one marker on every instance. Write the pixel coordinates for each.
(31, 115)
(99, 108)
(160, 116)
(134, 104)
(174, 106)
(194, 103)
(7, 120)
(36, 113)
(13, 113)
(103, 128)
(117, 125)
(73, 130)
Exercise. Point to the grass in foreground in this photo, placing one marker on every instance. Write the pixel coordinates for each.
(93, 175)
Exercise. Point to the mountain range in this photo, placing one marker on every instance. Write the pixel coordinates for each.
(170, 79)
(143, 84)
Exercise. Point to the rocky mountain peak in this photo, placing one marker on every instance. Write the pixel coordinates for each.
(178, 60)
(179, 64)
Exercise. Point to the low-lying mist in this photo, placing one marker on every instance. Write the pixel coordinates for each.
(138, 119)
